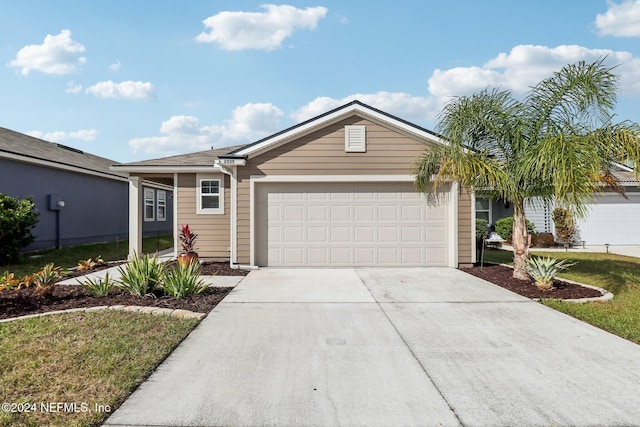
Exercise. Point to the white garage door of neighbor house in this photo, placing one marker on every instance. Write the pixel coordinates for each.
(350, 224)
(612, 219)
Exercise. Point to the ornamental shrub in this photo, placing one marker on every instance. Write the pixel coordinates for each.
(482, 227)
(183, 280)
(17, 218)
(564, 224)
(141, 275)
(504, 227)
(544, 269)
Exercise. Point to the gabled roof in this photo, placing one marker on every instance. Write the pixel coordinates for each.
(24, 148)
(204, 160)
(346, 110)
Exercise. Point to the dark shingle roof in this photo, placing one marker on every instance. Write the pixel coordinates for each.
(28, 147)
(201, 158)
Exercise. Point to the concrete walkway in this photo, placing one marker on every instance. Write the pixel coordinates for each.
(382, 346)
(114, 273)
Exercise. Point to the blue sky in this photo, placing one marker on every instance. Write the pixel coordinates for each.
(133, 80)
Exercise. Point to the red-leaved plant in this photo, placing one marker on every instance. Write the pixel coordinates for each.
(187, 239)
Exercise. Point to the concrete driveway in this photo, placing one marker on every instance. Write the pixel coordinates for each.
(388, 346)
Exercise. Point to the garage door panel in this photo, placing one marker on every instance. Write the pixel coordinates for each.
(293, 213)
(388, 256)
(437, 255)
(436, 234)
(344, 224)
(340, 256)
(317, 256)
(613, 220)
(364, 213)
(411, 213)
(317, 212)
(317, 234)
(364, 234)
(412, 234)
(388, 213)
(388, 235)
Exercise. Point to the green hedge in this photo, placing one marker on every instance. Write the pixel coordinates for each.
(504, 227)
(17, 218)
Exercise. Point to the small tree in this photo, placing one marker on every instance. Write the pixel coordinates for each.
(17, 218)
(558, 143)
(564, 224)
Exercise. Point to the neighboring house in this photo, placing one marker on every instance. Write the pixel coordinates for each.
(336, 190)
(80, 200)
(611, 218)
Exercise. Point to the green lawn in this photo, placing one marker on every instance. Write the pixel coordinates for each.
(616, 273)
(68, 257)
(89, 361)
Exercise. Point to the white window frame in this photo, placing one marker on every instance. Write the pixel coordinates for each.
(149, 195)
(210, 211)
(161, 205)
(489, 211)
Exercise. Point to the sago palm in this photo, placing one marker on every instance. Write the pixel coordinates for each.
(558, 144)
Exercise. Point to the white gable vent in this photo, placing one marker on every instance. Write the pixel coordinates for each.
(355, 139)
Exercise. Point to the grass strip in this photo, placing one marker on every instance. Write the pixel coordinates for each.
(616, 273)
(77, 368)
(69, 257)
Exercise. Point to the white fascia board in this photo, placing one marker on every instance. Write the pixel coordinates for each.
(324, 120)
(157, 185)
(332, 178)
(62, 166)
(167, 169)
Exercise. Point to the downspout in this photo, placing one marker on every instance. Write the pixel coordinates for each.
(232, 172)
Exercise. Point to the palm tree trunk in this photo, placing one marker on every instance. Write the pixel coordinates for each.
(520, 241)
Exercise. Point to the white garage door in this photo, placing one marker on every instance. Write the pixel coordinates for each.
(612, 219)
(349, 224)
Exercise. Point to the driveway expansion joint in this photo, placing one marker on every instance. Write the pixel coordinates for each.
(415, 357)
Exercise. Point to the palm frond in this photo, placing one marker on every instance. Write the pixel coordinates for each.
(569, 166)
(579, 94)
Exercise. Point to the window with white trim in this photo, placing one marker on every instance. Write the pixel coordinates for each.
(162, 205)
(483, 208)
(149, 200)
(210, 195)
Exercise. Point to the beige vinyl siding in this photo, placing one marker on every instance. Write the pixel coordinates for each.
(389, 152)
(212, 230)
(465, 229)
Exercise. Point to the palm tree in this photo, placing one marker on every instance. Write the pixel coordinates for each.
(559, 145)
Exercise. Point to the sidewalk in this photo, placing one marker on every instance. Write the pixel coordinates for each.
(164, 256)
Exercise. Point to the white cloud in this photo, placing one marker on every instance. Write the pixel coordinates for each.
(87, 135)
(56, 55)
(115, 66)
(412, 108)
(525, 66)
(123, 90)
(620, 20)
(517, 70)
(184, 134)
(259, 30)
(74, 88)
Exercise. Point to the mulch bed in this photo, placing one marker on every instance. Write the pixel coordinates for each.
(503, 276)
(15, 303)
